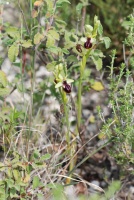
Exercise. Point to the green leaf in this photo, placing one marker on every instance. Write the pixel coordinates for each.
(4, 91)
(47, 156)
(86, 74)
(88, 29)
(53, 33)
(10, 183)
(65, 51)
(97, 53)
(51, 185)
(97, 62)
(13, 32)
(115, 186)
(60, 23)
(107, 42)
(97, 86)
(51, 66)
(127, 23)
(100, 29)
(79, 8)
(54, 49)
(38, 37)
(72, 58)
(27, 43)
(16, 175)
(17, 187)
(58, 192)
(96, 25)
(60, 2)
(13, 193)
(69, 44)
(13, 52)
(2, 193)
(3, 78)
(2, 182)
(39, 165)
(50, 41)
(36, 154)
(36, 182)
(49, 6)
(22, 184)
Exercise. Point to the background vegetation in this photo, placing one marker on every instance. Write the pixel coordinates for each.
(61, 59)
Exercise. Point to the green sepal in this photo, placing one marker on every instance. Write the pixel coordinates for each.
(96, 26)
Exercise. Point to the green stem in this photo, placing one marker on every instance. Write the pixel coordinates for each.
(66, 111)
(31, 20)
(82, 67)
(79, 102)
(21, 55)
(67, 122)
(112, 63)
(30, 116)
(70, 149)
(31, 102)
